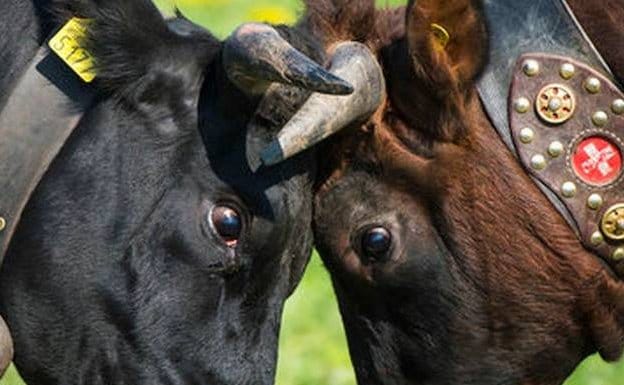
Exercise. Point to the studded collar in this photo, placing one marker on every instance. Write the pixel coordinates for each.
(563, 116)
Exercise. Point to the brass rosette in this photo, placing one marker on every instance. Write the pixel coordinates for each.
(555, 104)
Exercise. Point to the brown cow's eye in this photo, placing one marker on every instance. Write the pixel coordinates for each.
(376, 243)
(227, 223)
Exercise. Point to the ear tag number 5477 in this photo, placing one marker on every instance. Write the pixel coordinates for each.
(66, 44)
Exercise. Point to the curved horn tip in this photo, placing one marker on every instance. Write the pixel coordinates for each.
(256, 53)
(331, 85)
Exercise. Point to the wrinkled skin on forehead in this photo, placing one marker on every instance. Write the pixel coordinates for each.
(449, 264)
(118, 273)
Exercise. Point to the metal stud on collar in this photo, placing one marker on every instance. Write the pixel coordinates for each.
(612, 224)
(530, 67)
(555, 149)
(618, 106)
(522, 105)
(597, 238)
(600, 118)
(567, 71)
(568, 189)
(593, 85)
(538, 162)
(527, 135)
(595, 201)
(3, 224)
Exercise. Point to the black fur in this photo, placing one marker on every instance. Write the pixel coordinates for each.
(115, 275)
(23, 26)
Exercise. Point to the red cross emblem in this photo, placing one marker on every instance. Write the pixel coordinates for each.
(597, 161)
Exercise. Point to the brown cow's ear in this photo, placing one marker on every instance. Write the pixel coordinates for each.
(431, 72)
(447, 41)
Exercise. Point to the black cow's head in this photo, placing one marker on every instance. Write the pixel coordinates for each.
(157, 249)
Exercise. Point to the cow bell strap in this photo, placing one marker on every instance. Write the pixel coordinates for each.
(562, 118)
(42, 111)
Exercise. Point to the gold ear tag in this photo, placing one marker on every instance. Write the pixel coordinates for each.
(67, 45)
(441, 35)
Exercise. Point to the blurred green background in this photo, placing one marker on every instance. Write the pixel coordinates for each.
(312, 346)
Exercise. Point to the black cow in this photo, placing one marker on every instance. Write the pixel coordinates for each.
(156, 249)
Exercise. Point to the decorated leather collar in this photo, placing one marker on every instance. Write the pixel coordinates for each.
(563, 116)
(567, 123)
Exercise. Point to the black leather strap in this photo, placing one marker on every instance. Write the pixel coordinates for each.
(39, 116)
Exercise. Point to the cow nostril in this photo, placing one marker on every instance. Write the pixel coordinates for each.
(376, 243)
(227, 223)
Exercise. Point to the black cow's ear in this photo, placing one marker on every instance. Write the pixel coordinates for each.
(447, 41)
(155, 65)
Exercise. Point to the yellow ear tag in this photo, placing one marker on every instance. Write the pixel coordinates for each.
(67, 45)
(441, 36)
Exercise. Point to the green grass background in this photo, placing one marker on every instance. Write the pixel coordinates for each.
(312, 345)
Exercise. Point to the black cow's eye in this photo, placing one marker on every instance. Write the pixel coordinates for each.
(376, 243)
(227, 223)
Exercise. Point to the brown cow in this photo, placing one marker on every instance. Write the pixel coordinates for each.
(450, 265)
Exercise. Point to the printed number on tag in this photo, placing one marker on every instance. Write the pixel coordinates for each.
(66, 44)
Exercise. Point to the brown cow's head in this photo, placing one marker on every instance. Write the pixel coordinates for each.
(155, 251)
(450, 265)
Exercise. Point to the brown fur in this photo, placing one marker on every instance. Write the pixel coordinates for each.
(433, 143)
(342, 20)
(603, 23)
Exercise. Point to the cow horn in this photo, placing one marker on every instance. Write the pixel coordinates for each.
(324, 115)
(256, 55)
(6, 347)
